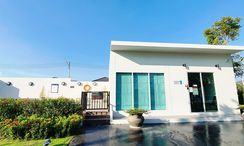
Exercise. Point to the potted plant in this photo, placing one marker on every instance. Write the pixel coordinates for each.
(136, 118)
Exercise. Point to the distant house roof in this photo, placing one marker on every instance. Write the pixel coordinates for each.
(240, 82)
(103, 79)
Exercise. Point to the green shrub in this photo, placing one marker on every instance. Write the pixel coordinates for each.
(39, 118)
(11, 108)
(241, 107)
(240, 91)
(35, 127)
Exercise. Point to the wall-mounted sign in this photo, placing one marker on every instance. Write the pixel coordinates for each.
(97, 95)
(179, 82)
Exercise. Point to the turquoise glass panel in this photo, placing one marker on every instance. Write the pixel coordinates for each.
(157, 91)
(141, 95)
(123, 91)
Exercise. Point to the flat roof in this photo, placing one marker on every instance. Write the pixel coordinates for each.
(173, 47)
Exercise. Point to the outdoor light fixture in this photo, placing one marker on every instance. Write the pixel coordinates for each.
(79, 83)
(31, 83)
(94, 84)
(8, 83)
(217, 65)
(63, 83)
(184, 65)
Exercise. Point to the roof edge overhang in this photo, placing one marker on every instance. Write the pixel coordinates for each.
(173, 47)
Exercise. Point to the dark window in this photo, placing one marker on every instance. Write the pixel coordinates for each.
(209, 92)
(195, 91)
(97, 95)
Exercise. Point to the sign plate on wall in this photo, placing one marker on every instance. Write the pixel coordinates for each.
(179, 82)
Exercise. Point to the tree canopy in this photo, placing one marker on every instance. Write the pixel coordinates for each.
(223, 31)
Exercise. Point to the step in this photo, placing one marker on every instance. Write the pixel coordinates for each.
(96, 122)
(96, 113)
(96, 117)
(99, 110)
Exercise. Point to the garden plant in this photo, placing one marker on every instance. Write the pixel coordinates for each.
(39, 118)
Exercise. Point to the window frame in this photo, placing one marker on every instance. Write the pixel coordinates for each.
(149, 88)
(203, 94)
(52, 88)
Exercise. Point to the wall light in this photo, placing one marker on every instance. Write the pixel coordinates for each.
(79, 83)
(94, 83)
(8, 83)
(63, 83)
(185, 65)
(217, 65)
(31, 84)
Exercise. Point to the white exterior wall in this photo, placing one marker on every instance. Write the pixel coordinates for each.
(20, 87)
(177, 96)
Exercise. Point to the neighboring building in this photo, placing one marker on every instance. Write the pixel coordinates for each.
(175, 82)
(240, 82)
(103, 79)
(48, 87)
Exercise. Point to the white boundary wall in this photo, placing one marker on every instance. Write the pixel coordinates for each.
(20, 87)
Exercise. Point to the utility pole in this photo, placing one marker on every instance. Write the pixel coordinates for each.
(68, 64)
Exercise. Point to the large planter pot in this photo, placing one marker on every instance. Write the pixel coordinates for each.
(136, 120)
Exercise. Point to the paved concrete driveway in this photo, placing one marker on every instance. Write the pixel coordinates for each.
(189, 134)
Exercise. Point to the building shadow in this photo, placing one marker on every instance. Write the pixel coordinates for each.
(206, 134)
(8, 90)
(165, 59)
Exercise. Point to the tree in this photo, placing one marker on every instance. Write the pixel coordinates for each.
(221, 33)
(238, 65)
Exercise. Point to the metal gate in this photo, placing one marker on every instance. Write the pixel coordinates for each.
(95, 100)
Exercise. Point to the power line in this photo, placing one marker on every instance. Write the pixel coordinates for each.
(68, 64)
(46, 65)
(51, 65)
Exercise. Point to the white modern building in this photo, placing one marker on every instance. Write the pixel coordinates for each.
(174, 82)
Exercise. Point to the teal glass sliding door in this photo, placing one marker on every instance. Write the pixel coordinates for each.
(157, 91)
(123, 91)
(202, 92)
(141, 93)
(209, 92)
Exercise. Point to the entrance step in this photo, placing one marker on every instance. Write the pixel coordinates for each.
(97, 113)
(95, 118)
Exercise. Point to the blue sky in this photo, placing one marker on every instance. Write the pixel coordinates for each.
(36, 37)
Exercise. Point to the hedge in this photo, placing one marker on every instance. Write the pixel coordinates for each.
(11, 108)
(35, 127)
(39, 118)
(240, 91)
